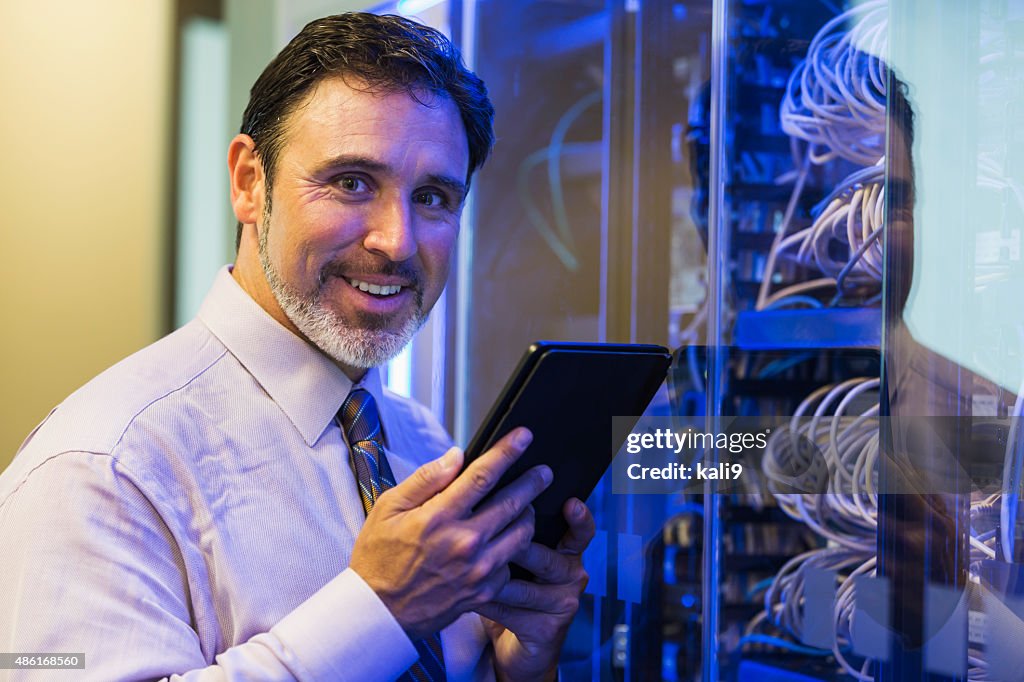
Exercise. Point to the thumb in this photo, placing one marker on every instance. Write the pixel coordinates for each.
(428, 480)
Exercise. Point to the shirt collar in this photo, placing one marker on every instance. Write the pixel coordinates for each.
(306, 384)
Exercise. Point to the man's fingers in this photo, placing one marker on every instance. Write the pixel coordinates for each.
(483, 474)
(538, 597)
(511, 617)
(514, 539)
(427, 481)
(581, 527)
(508, 503)
(547, 565)
(526, 624)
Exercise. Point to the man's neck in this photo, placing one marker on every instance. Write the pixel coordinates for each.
(250, 277)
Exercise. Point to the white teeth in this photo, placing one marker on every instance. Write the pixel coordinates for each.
(375, 289)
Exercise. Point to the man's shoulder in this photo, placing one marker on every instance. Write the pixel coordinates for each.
(96, 416)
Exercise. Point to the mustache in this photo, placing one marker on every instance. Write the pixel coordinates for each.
(403, 270)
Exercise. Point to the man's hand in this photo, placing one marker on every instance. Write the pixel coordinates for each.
(527, 621)
(429, 555)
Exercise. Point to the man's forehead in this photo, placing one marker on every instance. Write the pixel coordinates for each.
(345, 94)
(343, 107)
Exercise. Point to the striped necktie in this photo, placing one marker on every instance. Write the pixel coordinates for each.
(360, 423)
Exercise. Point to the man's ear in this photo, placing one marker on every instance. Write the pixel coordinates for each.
(248, 184)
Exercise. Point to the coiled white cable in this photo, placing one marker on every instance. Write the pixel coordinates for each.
(833, 450)
(835, 101)
(854, 216)
(835, 98)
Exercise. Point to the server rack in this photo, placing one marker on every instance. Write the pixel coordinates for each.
(739, 179)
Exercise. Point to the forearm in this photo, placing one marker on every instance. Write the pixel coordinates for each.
(99, 573)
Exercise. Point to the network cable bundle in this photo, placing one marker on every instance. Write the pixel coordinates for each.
(816, 245)
(801, 251)
(830, 447)
(821, 468)
(834, 108)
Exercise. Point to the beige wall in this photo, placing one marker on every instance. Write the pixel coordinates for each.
(83, 170)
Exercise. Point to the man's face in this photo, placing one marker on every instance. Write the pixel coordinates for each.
(366, 199)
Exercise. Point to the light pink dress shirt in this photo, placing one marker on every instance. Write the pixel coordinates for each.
(189, 514)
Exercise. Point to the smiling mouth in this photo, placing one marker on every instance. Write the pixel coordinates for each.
(374, 289)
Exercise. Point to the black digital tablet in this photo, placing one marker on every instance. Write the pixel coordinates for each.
(567, 395)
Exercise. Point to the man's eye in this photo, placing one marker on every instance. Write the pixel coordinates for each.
(350, 183)
(431, 198)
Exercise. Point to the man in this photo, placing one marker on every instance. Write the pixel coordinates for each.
(223, 504)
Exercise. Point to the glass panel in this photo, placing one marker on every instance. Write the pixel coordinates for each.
(870, 547)
(953, 341)
(588, 225)
(536, 257)
(532, 250)
(798, 123)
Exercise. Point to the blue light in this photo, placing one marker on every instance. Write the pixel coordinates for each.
(668, 566)
(409, 7)
(679, 12)
(399, 375)
(688, 600)
(669, 656)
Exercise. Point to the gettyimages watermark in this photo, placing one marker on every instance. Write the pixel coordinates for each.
(689, 440)
(863, 455)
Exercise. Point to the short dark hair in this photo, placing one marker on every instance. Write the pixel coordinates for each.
(388, 54)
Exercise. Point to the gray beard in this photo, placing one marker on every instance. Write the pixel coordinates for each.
(362, 344)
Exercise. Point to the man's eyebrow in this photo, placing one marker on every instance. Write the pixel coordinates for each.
(453, 185)
(351, 161)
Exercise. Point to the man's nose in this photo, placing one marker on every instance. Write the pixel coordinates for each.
(390, 232)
